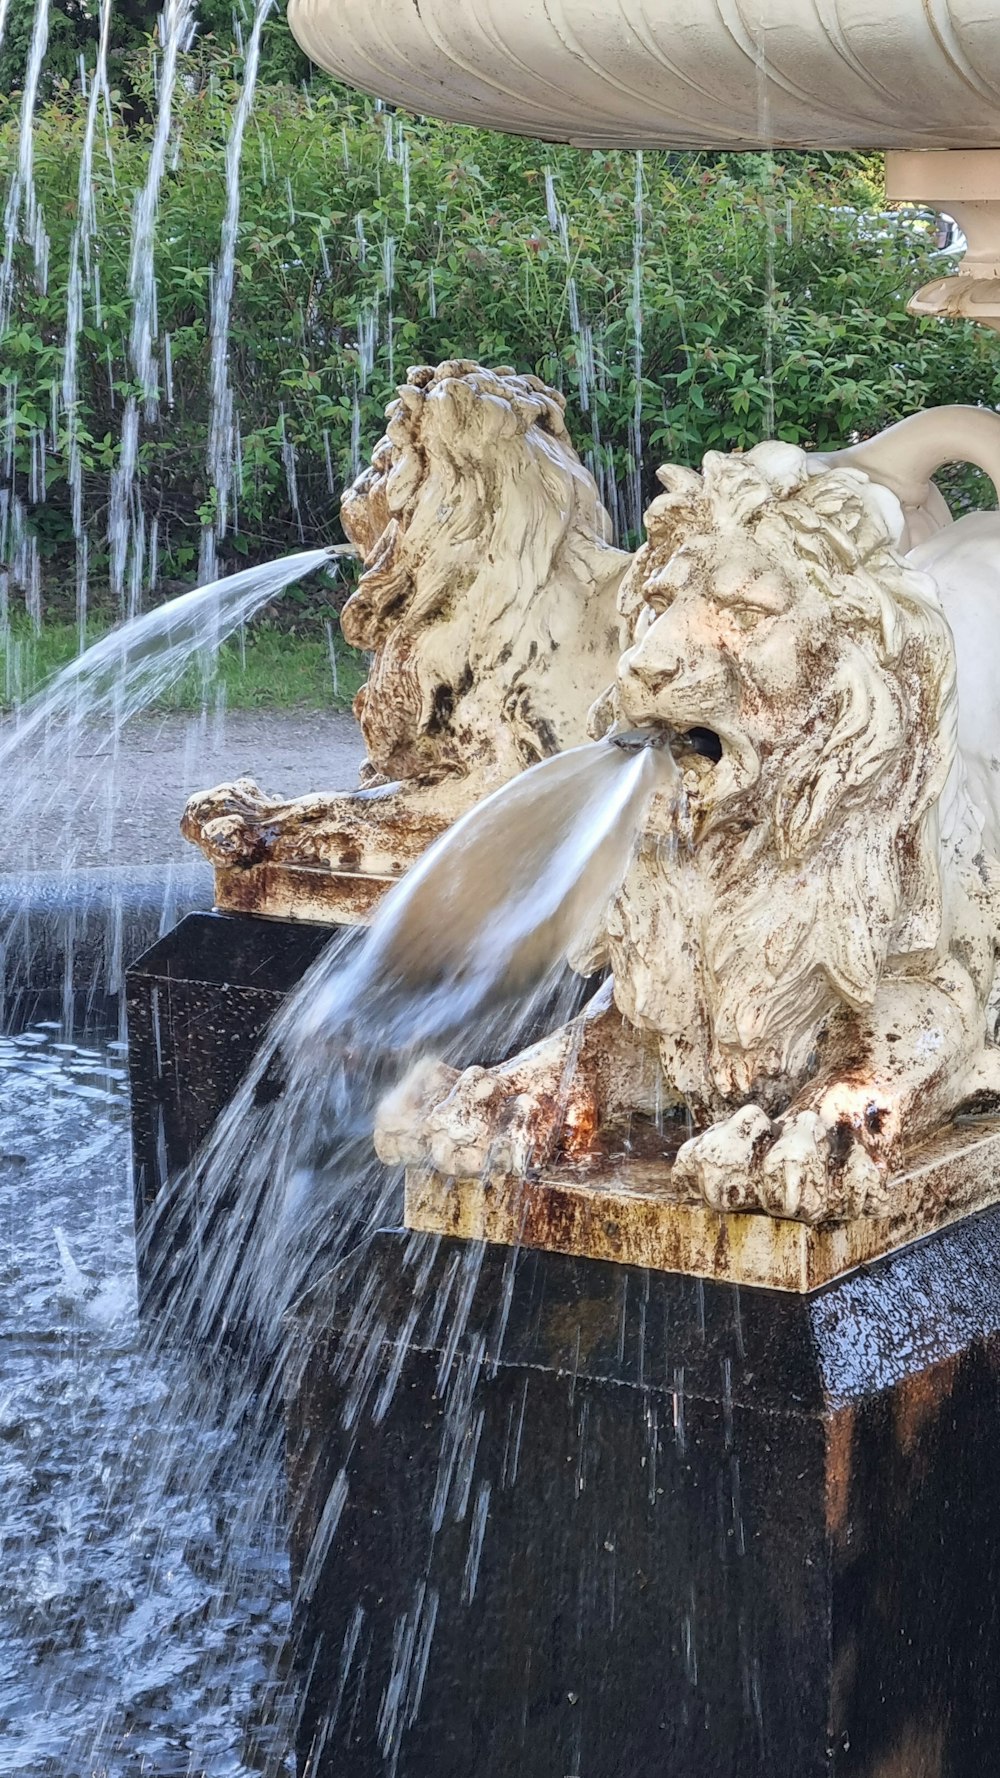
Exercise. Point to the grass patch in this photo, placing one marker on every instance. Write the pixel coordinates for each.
(266, 669)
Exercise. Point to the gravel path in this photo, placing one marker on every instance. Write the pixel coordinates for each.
(126, 807)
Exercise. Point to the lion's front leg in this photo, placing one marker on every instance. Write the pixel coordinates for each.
(831, 1155)
(549, 1100)
(382, 830)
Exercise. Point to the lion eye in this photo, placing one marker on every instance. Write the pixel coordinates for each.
(746, 617)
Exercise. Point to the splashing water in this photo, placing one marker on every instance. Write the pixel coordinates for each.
(117, 678)
(465, 953)
(180, 1499)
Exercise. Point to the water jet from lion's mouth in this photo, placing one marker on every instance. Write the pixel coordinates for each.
(703, 741)
(516, 885)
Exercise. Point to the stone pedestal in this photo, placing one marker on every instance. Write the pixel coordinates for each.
(575, 1519)
(628, 1210)
(199, 1002)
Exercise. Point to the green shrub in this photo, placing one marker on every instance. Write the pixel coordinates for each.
(766, 304)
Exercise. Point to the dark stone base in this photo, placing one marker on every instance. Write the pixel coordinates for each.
(199, 1003)
(635, 1525)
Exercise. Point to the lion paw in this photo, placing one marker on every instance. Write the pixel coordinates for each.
(799, 1168)
(401, 1117)
(479, 1121)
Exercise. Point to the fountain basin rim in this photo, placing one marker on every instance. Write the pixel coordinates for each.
(684, 74)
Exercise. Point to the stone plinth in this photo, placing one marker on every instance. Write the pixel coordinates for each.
(667, 1527)
(627, 1212)
(296, 892)
(199, 1002)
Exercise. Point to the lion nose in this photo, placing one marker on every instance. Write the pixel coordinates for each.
(654, 675)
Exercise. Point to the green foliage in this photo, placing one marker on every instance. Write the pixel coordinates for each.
(768, 302)
(74, 27)
(268, 668)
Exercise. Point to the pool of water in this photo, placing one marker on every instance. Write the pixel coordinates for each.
(143, 1610)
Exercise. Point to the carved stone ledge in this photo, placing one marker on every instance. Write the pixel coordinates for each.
(628, 1213)
(318, 857)
(295, 892)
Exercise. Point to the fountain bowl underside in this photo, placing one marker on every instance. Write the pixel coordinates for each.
(627, 1212)
(677, 73)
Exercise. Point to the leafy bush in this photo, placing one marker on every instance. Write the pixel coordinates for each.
(758, 301)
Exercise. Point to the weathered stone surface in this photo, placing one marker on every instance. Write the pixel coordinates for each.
(855, 74)
(629, 1213)
(299, 892)
(679, 1528)
(803, 950)
(488, 604)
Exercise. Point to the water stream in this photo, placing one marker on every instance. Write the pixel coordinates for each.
(82, 271)
(124, 673)
(223, 422)
(149, 1627)
(125, 532)
(23, 219)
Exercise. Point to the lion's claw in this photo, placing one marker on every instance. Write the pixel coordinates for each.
(798, 1168)
(717, 1164)
(400, 1123)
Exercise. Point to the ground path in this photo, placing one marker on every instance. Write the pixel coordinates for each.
(161, 759)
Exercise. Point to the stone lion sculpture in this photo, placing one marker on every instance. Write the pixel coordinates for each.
(487, 602)
(804, 947)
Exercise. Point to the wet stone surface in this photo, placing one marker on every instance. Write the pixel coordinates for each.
(138, 1633)
(590, 1520)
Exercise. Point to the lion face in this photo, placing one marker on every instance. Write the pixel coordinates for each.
(489, 584)
(728, 643)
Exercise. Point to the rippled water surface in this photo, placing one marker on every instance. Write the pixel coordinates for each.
(124, 1647)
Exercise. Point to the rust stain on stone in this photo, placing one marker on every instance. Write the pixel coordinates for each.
(284, 892)
(919, 1753)
(628, 1211)
(839, 1471)
(918, 1400)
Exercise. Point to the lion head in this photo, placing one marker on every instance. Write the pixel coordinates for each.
(489, 584)
(809, 676)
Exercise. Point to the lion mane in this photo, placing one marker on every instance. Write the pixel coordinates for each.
(488, 605)
(489, 584)
(821, 867)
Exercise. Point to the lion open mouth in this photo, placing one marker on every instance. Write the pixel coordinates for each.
(701, 744)
(698, 752)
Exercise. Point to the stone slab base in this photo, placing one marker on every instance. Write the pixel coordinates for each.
(198, 1003)
(569, 1519)
(294, 892)
(628, 1214)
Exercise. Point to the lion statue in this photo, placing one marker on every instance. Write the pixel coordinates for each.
(487, 603)
(803, 950)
